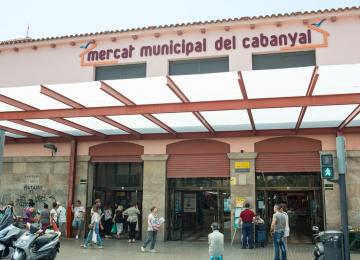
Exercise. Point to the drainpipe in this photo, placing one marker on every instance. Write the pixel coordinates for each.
(2, 142)
(71, 186)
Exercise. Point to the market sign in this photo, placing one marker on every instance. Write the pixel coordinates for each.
(242, 167)
(298, 40)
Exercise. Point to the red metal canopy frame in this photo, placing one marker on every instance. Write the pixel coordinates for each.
(130, 108)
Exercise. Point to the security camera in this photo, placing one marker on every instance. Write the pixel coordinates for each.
(52, 147)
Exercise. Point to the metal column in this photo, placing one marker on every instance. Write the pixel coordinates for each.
(71, 185)
(341, 162)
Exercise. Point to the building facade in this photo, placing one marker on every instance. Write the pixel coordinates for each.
(193, 181)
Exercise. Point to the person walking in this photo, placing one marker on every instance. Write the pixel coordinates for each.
(216, 241)
(119, 220)
(153, 227)
(94, 229)
(53, 214)
(61, 212)
(44, 218)
(108, 220)
(246, 218)
(283, 210)
(277, 229)
(78, 221)
(132, 214)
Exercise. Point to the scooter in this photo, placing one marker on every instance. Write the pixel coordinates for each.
(35, 245)
(9, 233)
(8, 236)
(319, 250)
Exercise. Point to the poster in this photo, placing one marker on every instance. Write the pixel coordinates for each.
(239, 202)
(190, 202)
(227, 205)
(233, 181)
(261, 204)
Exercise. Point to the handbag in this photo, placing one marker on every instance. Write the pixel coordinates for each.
(114, 229)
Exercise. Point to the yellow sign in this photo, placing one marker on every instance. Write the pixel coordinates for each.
(242, 165)
(233, 181)
(239, 202)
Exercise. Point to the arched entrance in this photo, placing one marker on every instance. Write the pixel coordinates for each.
(118, 174)
(288, 171)
(198, 173)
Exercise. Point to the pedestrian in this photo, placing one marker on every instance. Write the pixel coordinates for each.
(246, 219)
(108, 220)
(283, 210)
(94, 229)
(216, 242)
(277, 229)
(53, 214)
(79, 216)
(153, 227)
(44, 218)
(119, 220)
(61, 212)
(30, 212)
(132, 214)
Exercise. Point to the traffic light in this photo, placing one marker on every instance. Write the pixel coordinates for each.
(327, 166)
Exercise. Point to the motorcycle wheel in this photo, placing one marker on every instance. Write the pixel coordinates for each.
(7, 253)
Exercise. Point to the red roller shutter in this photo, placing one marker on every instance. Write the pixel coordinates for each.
(288, 154)
(119, 158)
(288, 162)
(198, 166)
(116, 152)
(198, 159)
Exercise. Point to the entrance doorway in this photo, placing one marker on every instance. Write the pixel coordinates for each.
(120, 184)
(302, 195)
(195, 204)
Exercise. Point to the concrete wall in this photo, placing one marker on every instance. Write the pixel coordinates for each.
(43, 179)
(247, 189)
(154, 190)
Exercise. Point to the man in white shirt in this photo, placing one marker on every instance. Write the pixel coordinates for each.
(78, 221)
(61, 212)
(216, 241)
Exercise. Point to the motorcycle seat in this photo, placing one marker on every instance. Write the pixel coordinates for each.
(43, 240)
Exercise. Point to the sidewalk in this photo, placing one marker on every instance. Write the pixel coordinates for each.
(70, 249)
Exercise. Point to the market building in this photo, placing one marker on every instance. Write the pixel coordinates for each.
(193, 118)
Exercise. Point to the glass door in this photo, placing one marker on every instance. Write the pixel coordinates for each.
(176, 215)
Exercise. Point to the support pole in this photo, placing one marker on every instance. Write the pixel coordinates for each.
(341, 162)
(71, 186)
(2, 142)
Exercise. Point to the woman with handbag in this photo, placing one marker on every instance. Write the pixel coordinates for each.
(119, 220)
(94, 232)
(133, 216)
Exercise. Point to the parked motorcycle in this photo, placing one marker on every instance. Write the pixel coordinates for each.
(34, 244)
(319, 251)
(315, 234)
(9, 233)
(8, 236)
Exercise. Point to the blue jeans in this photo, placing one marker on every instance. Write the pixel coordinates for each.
(279, 245)
(247, 232)
(151, 239)
(88, 240)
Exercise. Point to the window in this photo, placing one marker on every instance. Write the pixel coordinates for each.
(198, 66)
(283, 60)
(121, 72)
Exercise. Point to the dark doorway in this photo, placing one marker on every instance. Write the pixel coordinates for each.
(121, 184)
(302, 195)
(193, 209)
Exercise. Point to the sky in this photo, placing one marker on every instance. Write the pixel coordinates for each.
(64, 17)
